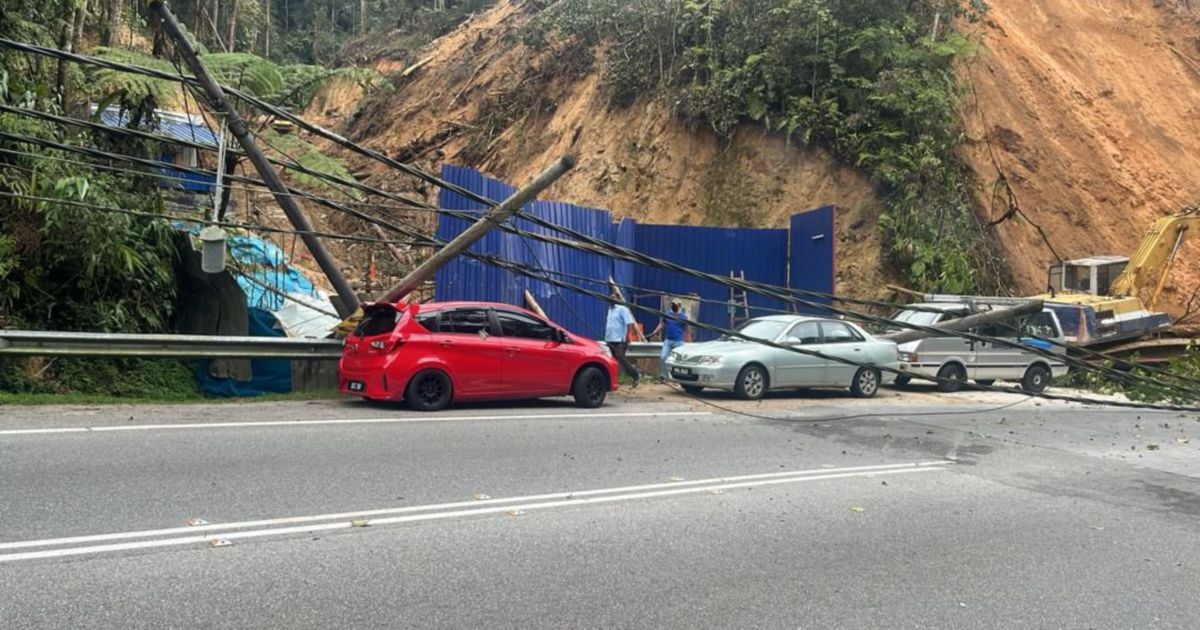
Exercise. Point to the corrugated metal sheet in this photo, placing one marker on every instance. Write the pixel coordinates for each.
(762, 254)
(170, 124)
(812, 252)
(465, 279)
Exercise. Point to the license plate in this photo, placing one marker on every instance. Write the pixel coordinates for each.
(356, 386)
(681, 371)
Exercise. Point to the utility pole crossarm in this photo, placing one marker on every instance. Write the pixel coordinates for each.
(237, 126)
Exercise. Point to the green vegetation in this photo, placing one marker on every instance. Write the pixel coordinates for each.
(1183, 367)
(872, 81)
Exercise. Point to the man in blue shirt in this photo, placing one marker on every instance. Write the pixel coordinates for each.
(619, 325)
(673, 325)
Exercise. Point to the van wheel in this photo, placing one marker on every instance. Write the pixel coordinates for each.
(1036, 380)
(866, 382)
(751, 383)
(951, 377)
(590, 387)
(986, 382)
(430, 390)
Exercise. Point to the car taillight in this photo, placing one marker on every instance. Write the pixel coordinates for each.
(384, 346)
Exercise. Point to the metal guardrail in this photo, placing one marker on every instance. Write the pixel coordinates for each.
(42, 343)
(84, 344)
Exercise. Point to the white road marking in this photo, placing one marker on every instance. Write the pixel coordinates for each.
(293, 423)
(446, 511)
(291, 520)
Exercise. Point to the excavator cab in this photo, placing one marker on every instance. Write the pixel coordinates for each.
(1092, 276)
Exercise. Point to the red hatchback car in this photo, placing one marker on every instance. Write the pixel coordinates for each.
(433, 354)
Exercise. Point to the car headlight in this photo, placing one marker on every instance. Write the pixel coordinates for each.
(710, 360)
(907, 357)
(605, 349)
(675, 357)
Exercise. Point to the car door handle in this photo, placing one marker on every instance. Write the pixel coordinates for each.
(447, 344)
(512, 350)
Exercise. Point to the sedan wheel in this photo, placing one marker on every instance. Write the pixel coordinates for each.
(751, 383)
(866, 383)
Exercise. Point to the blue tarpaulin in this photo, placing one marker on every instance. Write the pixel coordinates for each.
(270, 376)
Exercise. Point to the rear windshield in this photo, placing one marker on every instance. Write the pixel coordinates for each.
(377, 321)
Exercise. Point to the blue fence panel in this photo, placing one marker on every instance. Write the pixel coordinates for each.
(812, 252)
(760, 253)
(466, 279)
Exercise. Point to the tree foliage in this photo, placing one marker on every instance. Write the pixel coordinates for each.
(873, 81)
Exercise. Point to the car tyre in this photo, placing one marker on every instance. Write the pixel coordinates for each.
(1037, 379)
(430, 390)
(590, 387)
(694, 390)
(986, 382)
(751, 383)
(951, 377)
(866, 382)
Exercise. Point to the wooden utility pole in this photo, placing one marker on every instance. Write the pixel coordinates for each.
(485, 224)
(969, 322)
(349, 300)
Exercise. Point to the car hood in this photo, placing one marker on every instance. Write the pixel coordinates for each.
(719, 348)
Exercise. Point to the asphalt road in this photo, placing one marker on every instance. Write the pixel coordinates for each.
(651, 512)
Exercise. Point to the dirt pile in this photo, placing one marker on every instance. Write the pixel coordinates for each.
(1090, 109)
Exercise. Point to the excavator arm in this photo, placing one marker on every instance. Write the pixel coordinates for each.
(1147, 271)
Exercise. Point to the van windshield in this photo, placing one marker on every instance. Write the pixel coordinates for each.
(918, 318)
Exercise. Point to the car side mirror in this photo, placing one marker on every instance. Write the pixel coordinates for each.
(562, 335)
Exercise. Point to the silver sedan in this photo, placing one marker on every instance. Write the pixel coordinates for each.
(751, 369)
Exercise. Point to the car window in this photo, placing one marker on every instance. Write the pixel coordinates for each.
(429, 321)
(765, 329)
(377, 321)
(519, 325)
(464, 322)
(837, 332)
(1040, 325)
(804, 333)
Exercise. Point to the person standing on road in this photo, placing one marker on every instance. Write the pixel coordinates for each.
(673, 327)
(618, 327)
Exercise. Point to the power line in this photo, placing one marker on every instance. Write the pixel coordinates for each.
(1123, 376)
(596, 244)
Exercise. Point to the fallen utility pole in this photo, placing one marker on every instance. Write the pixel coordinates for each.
(349, 300)
(478, 229)
(970, 321)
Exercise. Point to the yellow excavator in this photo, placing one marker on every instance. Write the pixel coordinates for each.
(1104, 300)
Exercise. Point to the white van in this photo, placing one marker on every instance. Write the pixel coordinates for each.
(957, 360)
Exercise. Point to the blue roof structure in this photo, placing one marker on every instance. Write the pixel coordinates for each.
(170, 124)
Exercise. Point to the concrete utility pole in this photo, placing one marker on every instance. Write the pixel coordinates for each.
(485, 224)
(349, 301)
(970, 321)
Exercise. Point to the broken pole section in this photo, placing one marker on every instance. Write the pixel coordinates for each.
(216, 96)
(969, 322)
(478, 229)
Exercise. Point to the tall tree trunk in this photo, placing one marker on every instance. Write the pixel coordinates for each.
(113, 18)
(65, 37)
(267, 42)
(215, 19)
(362, 17)
(233, 19)
(316, 25)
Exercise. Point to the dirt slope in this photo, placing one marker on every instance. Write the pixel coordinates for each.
(1087, 110)
(1092, 116)
(484, 101)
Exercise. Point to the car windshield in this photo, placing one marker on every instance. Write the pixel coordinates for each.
(765, 329)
